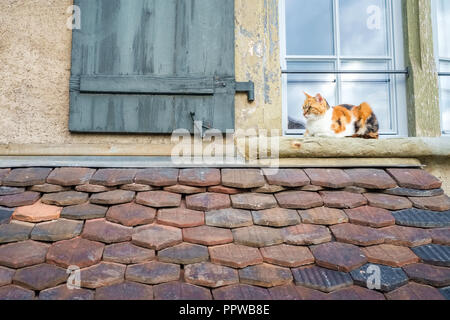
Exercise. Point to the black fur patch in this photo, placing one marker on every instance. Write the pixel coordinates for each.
(349, 107)
(372, 124)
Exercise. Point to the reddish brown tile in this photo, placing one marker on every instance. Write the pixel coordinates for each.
(185, 253)
(131, 214)
(339, 256)
(125, 291)
(184, 189)
(113, 177)
(210, 275)
(181, 218)
(329, 178)
(427, 274)
(306, 234)
(13, 292)
(256, 236)
(76, 252)
(63, 293)
(386, 201)
(158, 177)
(92, 188)
(370, 217)
(323, 216)
(440, 203)
(102, 274)
(253, 201)
(242, 178)
(225, 190)
(299, 199)
(235, 256)
(286, 177)
(371, 178)
(390, 255)
(357, 235)
(208, 236)
(37, 212)
(85, 211)
(159, 199)
(200, 177)
(405, 236)
(40, 277)
(265, 275)
(153, 272)
(21, 199)
(242, 292)
(157, 237)
(22, 254)
(113, 197)
(287, 256)
(107, 232)
(136, 187)
(26, 177)
(441, 236)
(342, 199)
(415, 179)
(229, 218)
(356, 293)
(48, 188)
(181, 291)
(208, 201)
(414, 291)
(276, 217)
(127, 253)
(70, 176)
(64, 199)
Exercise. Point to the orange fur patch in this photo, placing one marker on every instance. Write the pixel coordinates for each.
(341, 118)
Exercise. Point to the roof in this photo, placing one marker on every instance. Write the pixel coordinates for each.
(227, 234)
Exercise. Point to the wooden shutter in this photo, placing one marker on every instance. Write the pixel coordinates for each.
(147, 66)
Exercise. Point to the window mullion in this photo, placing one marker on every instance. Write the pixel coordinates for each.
(337, 40)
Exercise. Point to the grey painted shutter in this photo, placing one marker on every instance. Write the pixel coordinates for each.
(143, 66)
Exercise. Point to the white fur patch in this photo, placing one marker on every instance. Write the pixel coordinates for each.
(320, 126)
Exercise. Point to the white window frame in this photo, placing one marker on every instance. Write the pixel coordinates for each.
(439, 59)
(395, 60)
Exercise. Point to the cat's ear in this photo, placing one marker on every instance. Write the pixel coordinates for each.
(307, 95)
(319, 98)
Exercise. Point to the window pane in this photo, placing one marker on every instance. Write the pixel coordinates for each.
(373, 89)
(363, 27)
(445, 98)
(444, 28)
(297, 85)
(309, 27)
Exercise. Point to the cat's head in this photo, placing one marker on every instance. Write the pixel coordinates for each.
(315, 107)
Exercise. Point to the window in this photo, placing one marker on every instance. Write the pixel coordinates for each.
(441, 23)
(339, 36)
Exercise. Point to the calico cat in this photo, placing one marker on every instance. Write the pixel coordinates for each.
(341, 121)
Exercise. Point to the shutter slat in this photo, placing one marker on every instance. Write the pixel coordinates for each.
(147, 85)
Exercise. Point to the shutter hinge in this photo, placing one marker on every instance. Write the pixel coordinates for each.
(247, 87)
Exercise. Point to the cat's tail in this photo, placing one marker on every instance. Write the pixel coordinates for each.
(367, 125)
